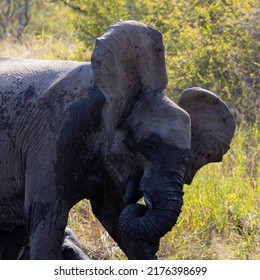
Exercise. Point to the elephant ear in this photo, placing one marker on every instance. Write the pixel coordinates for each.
(127, 60)
(212, 128)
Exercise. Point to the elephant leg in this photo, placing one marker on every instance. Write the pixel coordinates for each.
(70, 248)
(46, 209)
(46, 223)
(12, 243)
(24, 253)
(3, 242)
(107, 205)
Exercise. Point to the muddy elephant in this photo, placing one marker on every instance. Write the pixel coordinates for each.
(104, 131)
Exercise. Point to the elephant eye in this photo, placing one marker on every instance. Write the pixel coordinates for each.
(152, 146)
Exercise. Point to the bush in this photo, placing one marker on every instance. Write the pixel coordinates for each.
(212, 44)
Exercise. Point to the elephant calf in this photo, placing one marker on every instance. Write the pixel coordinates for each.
(106, 132)
(70, 248)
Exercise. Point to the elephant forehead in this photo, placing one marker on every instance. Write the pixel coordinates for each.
(175, 132)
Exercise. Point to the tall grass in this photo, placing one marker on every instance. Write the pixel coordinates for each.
(46, 46)
(221, 213)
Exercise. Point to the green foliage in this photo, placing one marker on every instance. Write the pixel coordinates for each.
(212, 44)
(92, 17)
(14, 17)
(215, 48)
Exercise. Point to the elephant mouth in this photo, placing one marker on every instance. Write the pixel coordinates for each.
(132, 193)
(138, 197)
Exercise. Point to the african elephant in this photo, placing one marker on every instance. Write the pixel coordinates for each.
(106, 132)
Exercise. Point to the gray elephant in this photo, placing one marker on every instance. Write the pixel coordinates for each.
(102, 131)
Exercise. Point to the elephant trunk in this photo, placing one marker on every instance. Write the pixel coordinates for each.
(142, 223)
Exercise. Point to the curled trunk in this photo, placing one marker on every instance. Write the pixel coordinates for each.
(138, 222)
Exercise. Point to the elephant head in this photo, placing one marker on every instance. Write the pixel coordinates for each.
(154, 145)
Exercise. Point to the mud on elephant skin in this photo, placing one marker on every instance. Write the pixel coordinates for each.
(105, 131)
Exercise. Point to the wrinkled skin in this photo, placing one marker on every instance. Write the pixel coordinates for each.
(106, 132)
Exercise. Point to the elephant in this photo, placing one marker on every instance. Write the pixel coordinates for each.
(104, 131)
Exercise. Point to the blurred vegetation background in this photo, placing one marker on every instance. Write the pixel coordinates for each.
(213, 44)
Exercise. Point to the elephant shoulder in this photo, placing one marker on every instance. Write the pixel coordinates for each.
(18, 74)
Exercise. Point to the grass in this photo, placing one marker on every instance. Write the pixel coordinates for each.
(46, 46)
(221, 212)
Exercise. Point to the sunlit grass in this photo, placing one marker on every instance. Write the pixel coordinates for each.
(221, 212)
(46, 46)
(95, 241)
